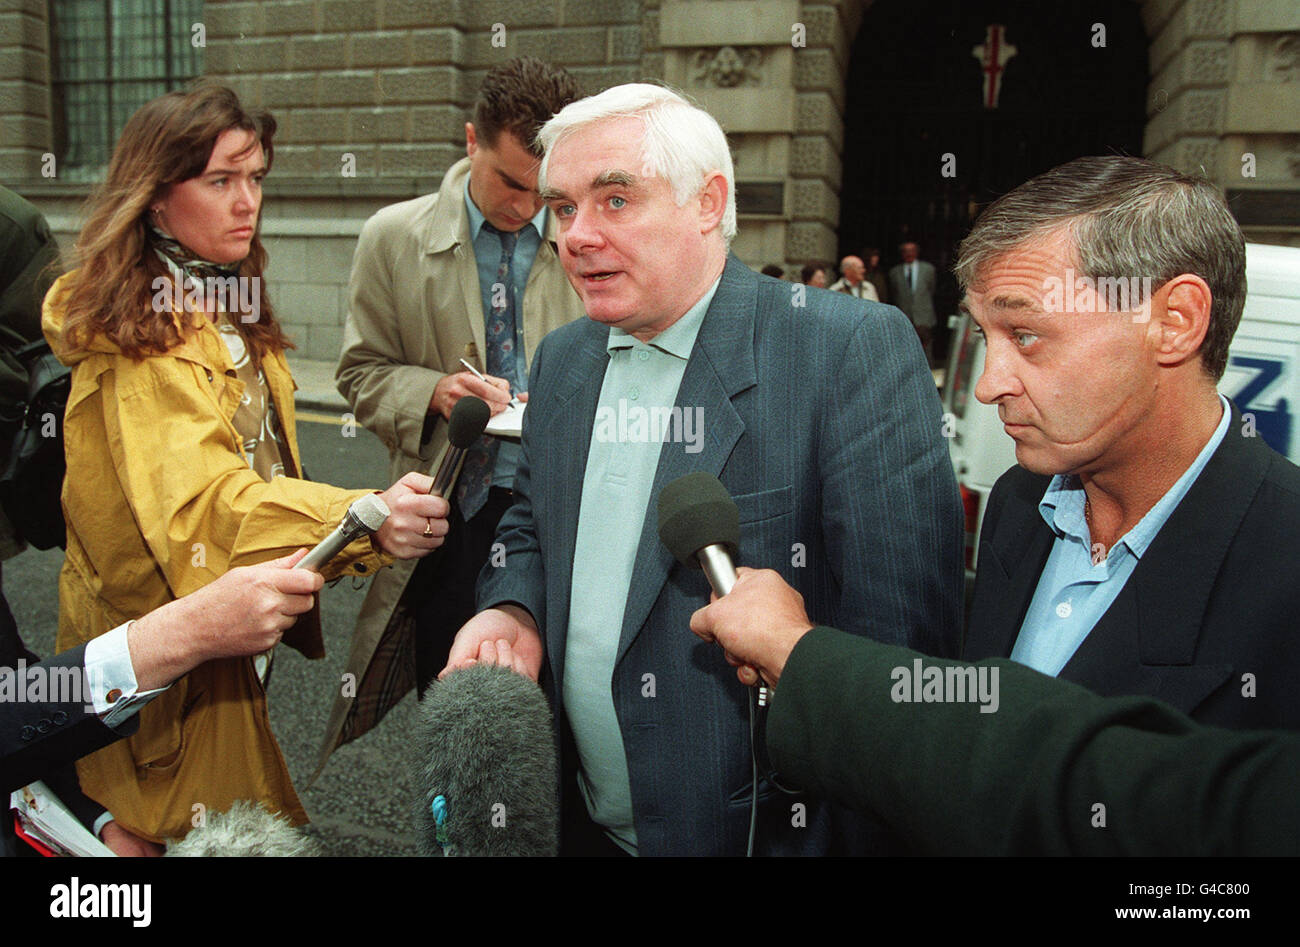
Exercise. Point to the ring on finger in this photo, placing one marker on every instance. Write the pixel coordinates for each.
(428, 527)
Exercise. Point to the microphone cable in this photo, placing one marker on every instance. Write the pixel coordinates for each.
(759, 696)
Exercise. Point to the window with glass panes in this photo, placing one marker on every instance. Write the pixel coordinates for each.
(109, 57)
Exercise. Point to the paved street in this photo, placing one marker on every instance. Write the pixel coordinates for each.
(362, 804)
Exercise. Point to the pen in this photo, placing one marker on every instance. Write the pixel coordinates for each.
(514, 402)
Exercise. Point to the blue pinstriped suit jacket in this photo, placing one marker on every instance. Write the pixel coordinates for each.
(823, 423)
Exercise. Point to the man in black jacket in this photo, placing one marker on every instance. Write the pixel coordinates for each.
(88, 696)
(27, 256)
(1145, 543)
(1041, 767)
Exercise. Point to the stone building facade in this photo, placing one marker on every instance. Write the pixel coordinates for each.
(372, 98)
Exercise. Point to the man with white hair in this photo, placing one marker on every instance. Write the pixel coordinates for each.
(853, 280)
(820, 421)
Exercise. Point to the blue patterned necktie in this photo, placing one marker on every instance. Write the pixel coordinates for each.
(476, 474)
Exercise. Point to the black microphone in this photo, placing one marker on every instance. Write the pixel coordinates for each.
(363, 518)
(700, 525)
(465, 426)
(487, 767)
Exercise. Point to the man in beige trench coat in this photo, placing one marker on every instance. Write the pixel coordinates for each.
(468, 272)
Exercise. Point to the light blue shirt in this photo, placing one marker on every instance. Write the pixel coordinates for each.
(1072, 592)
(487, 254)
(622, 460)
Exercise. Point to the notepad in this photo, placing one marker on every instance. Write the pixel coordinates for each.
(509, 423)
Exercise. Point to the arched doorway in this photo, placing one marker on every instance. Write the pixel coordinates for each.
(922, 152)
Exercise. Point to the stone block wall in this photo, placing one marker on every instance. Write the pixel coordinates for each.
(1224, 100)
(373, 98)
(25, 134)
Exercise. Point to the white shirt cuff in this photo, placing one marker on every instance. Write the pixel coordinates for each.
(113, 688)
(102, 821)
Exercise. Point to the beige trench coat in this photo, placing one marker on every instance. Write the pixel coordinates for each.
(415, 310)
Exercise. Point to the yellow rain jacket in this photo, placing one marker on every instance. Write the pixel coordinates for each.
(159, 501)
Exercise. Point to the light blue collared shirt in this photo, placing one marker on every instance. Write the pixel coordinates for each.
(1072, 593)
(641, 380)
(487, 254)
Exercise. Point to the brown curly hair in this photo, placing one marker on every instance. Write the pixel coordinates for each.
(167, 141)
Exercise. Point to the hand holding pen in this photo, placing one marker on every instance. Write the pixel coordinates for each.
(514, 400)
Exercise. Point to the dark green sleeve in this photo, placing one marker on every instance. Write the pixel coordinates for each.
(1028, 777)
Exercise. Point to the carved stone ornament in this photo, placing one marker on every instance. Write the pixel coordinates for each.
(727, 67)
(1282, 63)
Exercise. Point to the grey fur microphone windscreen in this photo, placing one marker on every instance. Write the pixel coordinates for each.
(245, 829)
(489, 754)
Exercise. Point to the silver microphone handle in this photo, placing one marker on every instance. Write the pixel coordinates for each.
(442, 479)
(717, 565)
(326, 550)
(369, 508)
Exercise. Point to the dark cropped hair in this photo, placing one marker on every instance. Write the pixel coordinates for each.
(808, 270)
(1128, 217)
(519, 96)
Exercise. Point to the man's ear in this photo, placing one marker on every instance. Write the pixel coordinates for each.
(1181, 312)
(471, 142)
(713, 201)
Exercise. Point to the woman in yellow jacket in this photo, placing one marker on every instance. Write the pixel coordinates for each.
(181, 450)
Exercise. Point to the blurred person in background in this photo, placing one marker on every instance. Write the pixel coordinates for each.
(813, 274)
(853, 281)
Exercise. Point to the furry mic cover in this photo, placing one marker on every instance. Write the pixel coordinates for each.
(489, 750)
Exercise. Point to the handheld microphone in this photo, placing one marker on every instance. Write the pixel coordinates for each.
(465, 426)
(362, 519)
(487, 768)
(700, 525)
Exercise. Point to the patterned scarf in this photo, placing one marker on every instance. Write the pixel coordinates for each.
(169, 249)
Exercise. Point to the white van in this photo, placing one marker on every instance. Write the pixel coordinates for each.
(1262, 379)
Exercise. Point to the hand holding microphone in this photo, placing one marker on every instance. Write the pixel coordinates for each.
(700, 525)
(404, 521)
(421, 500)
(758, 623)
(417, 523)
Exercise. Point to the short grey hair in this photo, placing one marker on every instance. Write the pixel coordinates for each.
(682, 142)
(1127, 217)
